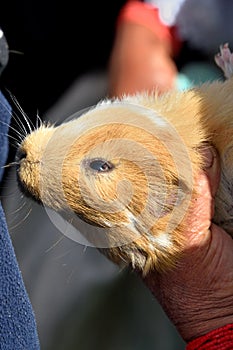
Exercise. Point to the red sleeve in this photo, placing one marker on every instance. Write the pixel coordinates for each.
(148, 16)
(218, 339)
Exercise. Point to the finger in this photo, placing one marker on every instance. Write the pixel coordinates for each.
(201, 212)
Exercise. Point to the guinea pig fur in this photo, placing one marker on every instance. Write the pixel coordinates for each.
(127, 166)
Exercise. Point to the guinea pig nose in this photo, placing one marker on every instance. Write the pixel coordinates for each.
(20, 154)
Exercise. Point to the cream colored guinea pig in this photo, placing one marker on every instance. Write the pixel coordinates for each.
(127, 168)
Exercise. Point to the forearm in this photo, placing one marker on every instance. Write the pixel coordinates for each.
(144, 14)
(142, 54)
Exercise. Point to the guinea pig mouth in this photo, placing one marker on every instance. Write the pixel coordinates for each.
(24, 189)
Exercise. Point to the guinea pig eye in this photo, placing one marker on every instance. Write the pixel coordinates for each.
(100, 165)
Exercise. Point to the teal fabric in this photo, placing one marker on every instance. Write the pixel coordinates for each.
(196, 73)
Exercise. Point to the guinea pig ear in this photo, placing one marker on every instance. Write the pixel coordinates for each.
(174, 197)
(205, 149)
(179, 192)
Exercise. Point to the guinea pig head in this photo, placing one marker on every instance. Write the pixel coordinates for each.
(120, 168)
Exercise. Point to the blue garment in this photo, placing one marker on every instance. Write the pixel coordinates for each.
(17, 322)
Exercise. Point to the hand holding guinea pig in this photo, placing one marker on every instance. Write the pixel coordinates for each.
(197, 294)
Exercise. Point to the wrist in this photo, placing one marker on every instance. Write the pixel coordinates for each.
(199, 323)
(139, 61)
(220, 338)
(193, 314)
(197, 293)
(139, 39)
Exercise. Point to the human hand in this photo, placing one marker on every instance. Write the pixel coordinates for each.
(139, 61)
(197, 294)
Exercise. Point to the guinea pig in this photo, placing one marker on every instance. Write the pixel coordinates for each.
(127, 167)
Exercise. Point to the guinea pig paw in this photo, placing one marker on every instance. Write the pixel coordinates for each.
(224, 59)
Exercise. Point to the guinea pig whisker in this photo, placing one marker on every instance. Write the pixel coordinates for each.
(62, 255)
(18, 214)
(69, 278)
(39, 121)
(16, 211)
(27, 120)
(55, 244)
(22, 220)
(20, 124)
(9, 194)
(121, 269)
(9, 126)
(10, 165)
(6, 107)
(14, 144)
(19, 208)
(13, 129)
(10, 136)
(16, 52)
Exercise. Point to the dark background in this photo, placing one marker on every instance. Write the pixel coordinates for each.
(58, 42)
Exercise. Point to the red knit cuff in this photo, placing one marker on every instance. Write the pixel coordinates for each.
(148, 16)
(218, 339)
